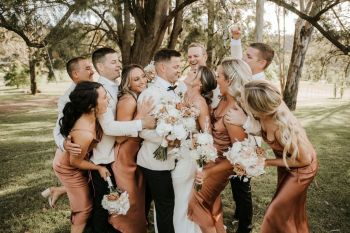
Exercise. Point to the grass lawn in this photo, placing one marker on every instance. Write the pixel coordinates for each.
(27, 150)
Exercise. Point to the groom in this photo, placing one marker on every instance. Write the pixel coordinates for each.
(157, 173)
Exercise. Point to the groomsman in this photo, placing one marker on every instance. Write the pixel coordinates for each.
(197, 56)
(79, 69)
(157, 173)
(106, 63)
(258, 56)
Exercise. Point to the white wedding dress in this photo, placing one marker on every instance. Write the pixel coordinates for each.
(183, 177)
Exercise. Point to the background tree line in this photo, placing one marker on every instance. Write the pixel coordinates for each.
(55, 30)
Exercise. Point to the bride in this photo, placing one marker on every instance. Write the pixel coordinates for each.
(199, 93)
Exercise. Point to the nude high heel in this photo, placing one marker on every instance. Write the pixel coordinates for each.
(47, 194)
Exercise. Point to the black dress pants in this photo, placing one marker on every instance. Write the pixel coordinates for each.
(242, 196)
(99, 218)
(161, 189)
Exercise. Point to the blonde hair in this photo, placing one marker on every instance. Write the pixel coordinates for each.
(238, 73)
(199, 45)
(124, 86)
(263, 98)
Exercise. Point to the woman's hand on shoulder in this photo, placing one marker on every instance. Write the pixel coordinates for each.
(235, 116)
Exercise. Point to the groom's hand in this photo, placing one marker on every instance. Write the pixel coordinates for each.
(70, 147)
(145, 107)
(148, 122)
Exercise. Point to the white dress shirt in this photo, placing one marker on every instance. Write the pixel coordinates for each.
(158, 90)
(251, 125)
(258, 76)
(59, 139)
(103, 153)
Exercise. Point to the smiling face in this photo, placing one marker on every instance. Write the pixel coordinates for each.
(196, 57)
(110, 66)
(84, 71)
(222, 81)
(252, 58)
(138, 80)
(102, 101)
(193, 80)
(172, 69)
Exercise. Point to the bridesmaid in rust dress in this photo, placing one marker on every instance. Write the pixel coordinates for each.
(127, 175)
(87, 101)
(296, 159)
(205, 206)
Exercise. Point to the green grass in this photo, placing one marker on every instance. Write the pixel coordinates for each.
(27, 150)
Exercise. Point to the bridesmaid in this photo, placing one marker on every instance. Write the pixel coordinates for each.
(205, 206)
(296, 159)
(199, 93)
(87, 101)
(127, 175)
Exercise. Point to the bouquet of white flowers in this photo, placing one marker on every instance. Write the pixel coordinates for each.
(175, 121)
(247, 158)
(116, 202)
(203, 151)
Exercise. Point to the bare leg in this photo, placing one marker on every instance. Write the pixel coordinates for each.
(53, 194)
(77, 228)
(56, 193)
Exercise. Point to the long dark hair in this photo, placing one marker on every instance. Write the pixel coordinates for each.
(82, 100)
(207, 78)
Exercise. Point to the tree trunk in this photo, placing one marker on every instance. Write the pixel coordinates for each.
(302, 37)
(33, 87)
(210, 34)
(177, 27)
(259, 21)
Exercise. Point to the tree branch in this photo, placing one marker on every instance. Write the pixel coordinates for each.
(6, 25)
(345, 49)
(53, 32)
(324, 10)
(102, 17)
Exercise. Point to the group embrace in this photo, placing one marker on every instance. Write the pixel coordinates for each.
(109, 130)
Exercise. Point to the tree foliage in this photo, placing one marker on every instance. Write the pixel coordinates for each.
(17, 76)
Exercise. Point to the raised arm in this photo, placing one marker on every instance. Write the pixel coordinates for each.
(236, 46)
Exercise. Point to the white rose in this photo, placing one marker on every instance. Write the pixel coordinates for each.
(163, 128)
(179, 132)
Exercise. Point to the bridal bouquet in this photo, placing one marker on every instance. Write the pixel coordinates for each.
(247, 158)
(203, 151)
(175, 121)
(116, 202)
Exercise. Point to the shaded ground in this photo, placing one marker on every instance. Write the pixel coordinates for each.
(27, 150)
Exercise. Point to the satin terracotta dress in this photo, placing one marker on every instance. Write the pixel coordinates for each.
(205, 206)
(75, 182)
(287, 210)
(129, 178)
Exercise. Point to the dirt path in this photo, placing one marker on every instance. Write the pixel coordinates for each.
(13, 106)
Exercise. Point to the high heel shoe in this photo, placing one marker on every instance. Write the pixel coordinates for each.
(47, 194)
